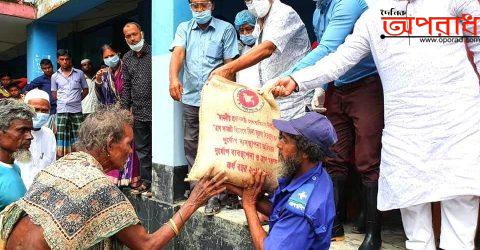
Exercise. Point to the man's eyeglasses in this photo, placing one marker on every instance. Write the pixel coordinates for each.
(200, 6)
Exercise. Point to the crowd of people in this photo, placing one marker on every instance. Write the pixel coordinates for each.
(395, 111)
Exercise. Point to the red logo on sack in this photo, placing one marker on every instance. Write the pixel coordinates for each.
(247, 100)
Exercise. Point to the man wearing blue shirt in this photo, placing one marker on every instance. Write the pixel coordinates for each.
(44, 83)
(355, 108)
(200, 45)
(15, 138)
(302, 208)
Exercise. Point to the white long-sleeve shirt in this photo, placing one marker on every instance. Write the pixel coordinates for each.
(432, 104)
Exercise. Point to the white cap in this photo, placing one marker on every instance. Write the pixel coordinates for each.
(36, 94)
(85, 61)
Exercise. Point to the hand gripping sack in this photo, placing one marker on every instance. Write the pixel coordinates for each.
(236, 133)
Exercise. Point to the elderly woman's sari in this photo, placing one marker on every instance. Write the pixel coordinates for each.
(75, 203)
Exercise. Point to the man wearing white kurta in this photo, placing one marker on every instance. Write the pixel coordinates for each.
(282, 40)
(432, 119)
(43, 145)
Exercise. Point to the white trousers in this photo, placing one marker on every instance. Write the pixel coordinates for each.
(459, 224)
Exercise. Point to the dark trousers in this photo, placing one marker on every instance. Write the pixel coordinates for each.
(143, 146)
(190, 133)
(356, 112)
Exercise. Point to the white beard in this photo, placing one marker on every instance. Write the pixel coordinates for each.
(22, 155)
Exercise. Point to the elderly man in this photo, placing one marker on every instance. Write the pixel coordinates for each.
(281, 40)
(15, 138)
(90, 102)
(302, 208)
(73, 205)
(245, 24)
(430, 141)
(137, 96)
(200, 45)
(43, 146)
(69, 88)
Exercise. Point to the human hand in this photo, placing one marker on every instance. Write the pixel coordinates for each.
(267, 87)
(176, 90)
(207, 187)
(318, 101)
(284, 87)
(224, 71)
(254, 189)
(98, 76)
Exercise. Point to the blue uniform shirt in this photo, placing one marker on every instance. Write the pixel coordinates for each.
(43, 83)
(333, 21)
(303, 212)
(205, 50)
(11, 184)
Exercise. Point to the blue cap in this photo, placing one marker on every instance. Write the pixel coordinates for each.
(314, 127)
(244, 17)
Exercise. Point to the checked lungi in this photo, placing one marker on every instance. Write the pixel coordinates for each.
(68, 125)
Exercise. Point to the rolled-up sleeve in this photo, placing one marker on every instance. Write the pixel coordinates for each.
(284, 28)
(290, 232)
(180, 39)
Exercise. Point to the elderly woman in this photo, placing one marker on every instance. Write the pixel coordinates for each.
(73, 205)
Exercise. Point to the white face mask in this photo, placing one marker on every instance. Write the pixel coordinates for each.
(137, 47)
(259, 8)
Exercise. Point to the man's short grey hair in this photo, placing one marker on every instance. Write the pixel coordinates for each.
(106, 124)
(11, 110)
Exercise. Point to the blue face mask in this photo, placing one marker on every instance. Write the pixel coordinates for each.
(112, 62)
(202, 17)
(40, 120)
(248, 39)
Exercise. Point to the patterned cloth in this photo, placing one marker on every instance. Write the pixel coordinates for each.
(75, 204)
(67, 131)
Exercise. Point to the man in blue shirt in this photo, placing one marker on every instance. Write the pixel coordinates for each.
(15, 138)
(355, 108)
(69, 88)
(200, 45)
(43, 82)
(302, 208)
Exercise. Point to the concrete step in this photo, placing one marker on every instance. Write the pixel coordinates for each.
(228, 229)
